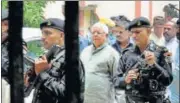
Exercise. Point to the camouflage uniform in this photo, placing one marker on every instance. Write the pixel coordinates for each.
(5, 61)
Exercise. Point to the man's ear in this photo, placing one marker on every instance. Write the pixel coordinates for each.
(61, 34)
(107, 35)
(149, 31)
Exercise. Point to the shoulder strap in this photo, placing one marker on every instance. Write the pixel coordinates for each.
(58, 56)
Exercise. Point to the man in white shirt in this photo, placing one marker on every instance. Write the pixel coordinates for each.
(101, 62)
(172, 43)
(157, 35)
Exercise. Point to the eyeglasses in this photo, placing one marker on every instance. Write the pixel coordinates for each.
(98, 33)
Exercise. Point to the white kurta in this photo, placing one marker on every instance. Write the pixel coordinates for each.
(172, 46)
(100, 65)
(158, 41)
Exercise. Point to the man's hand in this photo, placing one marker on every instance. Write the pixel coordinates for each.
(150, 57)
(132, 74)
(41, 64)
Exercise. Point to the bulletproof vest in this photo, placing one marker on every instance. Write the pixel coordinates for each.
(43, 95)
(149, 84)
(57, 65)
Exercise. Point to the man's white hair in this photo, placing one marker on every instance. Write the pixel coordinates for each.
(102, 26)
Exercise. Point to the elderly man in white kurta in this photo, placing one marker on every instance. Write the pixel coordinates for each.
(100, 61)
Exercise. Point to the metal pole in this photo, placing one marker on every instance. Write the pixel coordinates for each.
(72, 52)
(15, 51)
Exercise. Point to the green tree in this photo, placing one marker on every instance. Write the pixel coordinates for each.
(33, 16)
(33, 12)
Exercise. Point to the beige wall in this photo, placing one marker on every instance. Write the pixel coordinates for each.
(113, 8)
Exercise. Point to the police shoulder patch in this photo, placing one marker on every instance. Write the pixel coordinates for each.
(139, 23)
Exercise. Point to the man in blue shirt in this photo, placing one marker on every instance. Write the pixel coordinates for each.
(121, 33)
(83, 42)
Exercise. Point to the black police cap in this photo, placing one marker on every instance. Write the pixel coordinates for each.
(178, 22)
(139, 22)
(5, 14)
(53, 23)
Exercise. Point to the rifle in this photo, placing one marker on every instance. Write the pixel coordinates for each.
(30, 64)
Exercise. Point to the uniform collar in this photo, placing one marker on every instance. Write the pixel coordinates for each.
(119, 48)
(150, 47)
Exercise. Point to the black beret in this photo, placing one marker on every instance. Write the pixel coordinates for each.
(53, 23)
(139, 22)
(4, 14)
(178, 22)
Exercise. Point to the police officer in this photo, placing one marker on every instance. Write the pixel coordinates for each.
(5, 56)
(4, 45)
(50, 87)
(145, 70)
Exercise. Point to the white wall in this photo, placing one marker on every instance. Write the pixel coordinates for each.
(145, 9)
(114, 8)
(54, 10)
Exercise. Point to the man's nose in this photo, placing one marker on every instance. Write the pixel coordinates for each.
(133, 35)
(43, 37)
(165, 30)
(95, 34)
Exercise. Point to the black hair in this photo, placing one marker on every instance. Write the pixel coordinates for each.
(121, 20)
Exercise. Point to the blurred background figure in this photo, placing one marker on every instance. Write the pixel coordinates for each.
(178, 31)
(83, 41)
(121, 33)
(158, 28)
(172, 43)
(122, 42)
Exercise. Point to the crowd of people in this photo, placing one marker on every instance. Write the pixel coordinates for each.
(128, 62)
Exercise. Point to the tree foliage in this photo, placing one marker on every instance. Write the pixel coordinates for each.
(33, 12)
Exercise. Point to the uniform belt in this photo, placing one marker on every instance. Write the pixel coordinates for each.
(158, 93)
(136, 93)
